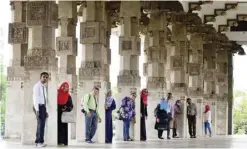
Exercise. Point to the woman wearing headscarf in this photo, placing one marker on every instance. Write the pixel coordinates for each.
(65, 104)
(110, 105)
(177, 112)
(144, 113)
(162, 121)
(207, 120)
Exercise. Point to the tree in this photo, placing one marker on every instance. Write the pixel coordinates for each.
(240, 112)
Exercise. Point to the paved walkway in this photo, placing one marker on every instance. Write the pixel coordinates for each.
(214, 142)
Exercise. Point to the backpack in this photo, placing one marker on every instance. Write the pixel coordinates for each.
(82, 109)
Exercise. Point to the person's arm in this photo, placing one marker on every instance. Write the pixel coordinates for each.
(146, 110)
(195, 109)
(36, 96)
(113, 105)
(69, 104)
(85, 103)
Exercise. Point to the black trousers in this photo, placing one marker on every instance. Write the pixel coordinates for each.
(143, 129)
(41, 124)
(160, 132)
(192, 125)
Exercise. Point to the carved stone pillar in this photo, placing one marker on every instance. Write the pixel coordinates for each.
(222, 84)
(94, 69)
(194, 72)
(155, 58)
(18, 35)
(41, 56)
(66, 45)
(129, 50)
(176, 64)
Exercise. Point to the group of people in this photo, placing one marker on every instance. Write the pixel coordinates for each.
(166, 113)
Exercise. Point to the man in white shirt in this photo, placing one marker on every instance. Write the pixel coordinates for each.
(169, 111)
(39, 107)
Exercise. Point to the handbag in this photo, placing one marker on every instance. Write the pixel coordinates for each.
(120, 114)
(68, 117)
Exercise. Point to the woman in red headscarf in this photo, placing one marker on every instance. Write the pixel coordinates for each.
(65, 104)
(207, 120)
(144, 113)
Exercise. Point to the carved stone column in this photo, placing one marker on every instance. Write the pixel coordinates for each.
(18, 35)
(41, 56)
(209, 76)
(176, 66)
(66, 45)
(129, 50)
(222, 84)
(155, 58)
(94, 69)
(194, 72)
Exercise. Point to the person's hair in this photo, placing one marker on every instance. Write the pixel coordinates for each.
(96, 88)
(188, 99)
(169, 93)
(44, 73)
(133, 94)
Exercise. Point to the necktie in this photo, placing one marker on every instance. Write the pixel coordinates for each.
(44, 94)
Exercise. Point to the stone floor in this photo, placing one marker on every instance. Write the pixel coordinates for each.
(214, 142)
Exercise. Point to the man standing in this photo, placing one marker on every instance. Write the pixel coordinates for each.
(191, 115)
(90, 104)
(169, 111)
(39, 105)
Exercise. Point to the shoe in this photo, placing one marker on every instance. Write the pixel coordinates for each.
(89, 141)
(161, 138)
(168, 138)
(40, 145)
(130, 139)
(175, 136)
(194, 136)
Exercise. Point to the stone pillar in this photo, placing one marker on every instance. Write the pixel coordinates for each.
(222, 86)
(41, 56)
(129, 50)
(209, 69)
(195, 82)
(66, 45)
(155, 58)
(18, 35)
(94, 69)
(230, 93)
(176, 64)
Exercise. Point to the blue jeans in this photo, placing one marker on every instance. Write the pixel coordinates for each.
(91, 125)
(207, 126)
(126, 127)
(41, 124)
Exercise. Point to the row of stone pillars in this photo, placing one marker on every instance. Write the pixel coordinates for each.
(182, 56)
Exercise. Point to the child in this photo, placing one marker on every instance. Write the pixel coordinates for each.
(207, 120)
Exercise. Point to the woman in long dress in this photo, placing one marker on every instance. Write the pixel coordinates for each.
(144, 113)
(110, 105)
(65, 104)
(162, 120)
(177, 112)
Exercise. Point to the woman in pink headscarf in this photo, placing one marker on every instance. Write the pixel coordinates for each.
(207, 120)
(65, 104)
(144, 114)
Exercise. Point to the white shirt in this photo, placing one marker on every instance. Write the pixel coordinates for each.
(207, 116)
(39, 95)
(170, 107)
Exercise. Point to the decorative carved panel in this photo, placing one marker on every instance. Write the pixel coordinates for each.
(221, 78)
(145, 69)
(66, 45)
(129, 45)
(40, 59)
(179, 87)
(209, 75)
(94, 70)
(194, 69)
(177, 62)
(93, 32)
(42, 13)
(97, 84)
(18, 33)
(126, 45)
(156, 82)
(129, 78)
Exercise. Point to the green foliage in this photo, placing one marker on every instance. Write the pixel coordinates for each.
(240, 112)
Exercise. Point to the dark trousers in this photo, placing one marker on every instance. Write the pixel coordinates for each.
(126, 127)
(41, 124)
(192, 125)
(160, 132)
(143, 129)
(91, 125)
